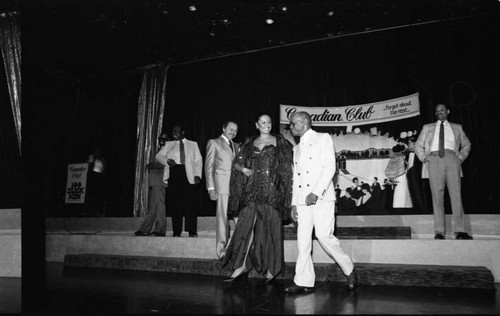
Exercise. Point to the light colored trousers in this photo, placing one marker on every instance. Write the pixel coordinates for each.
(321, 217)
(221, 225)
(446, 171)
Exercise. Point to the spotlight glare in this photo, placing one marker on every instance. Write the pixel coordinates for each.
(269, 21)
(284, 9)
(330, 13)
(192, 7)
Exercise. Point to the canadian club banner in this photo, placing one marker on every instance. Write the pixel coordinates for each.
(371, 113)
(373, 163)
(76, 184)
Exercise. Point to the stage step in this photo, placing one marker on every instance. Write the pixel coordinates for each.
(369, 273)
(381, 232)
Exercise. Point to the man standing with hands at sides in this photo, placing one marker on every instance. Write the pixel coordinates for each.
(185, 165)
(442, 147)
(313, 203)
(218, 161)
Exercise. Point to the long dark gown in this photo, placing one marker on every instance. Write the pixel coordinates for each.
(261, 203)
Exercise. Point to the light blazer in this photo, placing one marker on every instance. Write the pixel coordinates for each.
(424, 144)
(218, 162)
(193, 162)
(314, 168)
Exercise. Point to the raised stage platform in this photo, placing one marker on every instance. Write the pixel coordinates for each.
(95, 242)
(10, 243)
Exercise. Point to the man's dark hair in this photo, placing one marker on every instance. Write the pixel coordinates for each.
(226, 123)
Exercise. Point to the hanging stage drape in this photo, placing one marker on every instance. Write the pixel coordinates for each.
(10, 42)
(149, 126)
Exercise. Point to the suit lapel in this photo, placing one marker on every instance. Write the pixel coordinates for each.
(306, 145)
(456, 135)
(225, 146)
(432, 130)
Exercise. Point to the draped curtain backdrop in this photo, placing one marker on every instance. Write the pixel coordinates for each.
(149, 126)
(354, 70)
(10, 41)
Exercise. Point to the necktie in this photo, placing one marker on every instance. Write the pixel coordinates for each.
(231, 146)
(182, 153)
(441, 141)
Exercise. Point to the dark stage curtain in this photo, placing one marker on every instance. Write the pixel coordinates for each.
(351, 70)
(10, 111)
(149, 127)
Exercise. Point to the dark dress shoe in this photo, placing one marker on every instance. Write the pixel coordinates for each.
(242, 277)
(271, 281)
(297, 289)
(139, 233)
(158, 235)
(176, 235)
(439, 236)
(463, 236)
(352, 280)
(193, 235)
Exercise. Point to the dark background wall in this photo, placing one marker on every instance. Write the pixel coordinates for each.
(449, 62)
(74, 99)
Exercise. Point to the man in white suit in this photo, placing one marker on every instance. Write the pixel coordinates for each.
(442, 154)
(185, 167)
(218, 162)
(313, 203)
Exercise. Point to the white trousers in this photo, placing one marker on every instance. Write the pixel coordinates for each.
(321, 217)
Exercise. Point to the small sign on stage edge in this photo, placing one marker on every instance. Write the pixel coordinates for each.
(76, 184)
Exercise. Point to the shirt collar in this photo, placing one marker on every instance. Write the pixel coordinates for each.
(306, 136)
(225, 138)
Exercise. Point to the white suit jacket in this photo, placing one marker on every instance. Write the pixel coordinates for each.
(218, 163)
(193, 162)
(314, 167)
(424, 144)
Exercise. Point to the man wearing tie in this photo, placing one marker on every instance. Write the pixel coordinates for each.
(313, 203)
(185, 165)
(218, 161)
(442, 147)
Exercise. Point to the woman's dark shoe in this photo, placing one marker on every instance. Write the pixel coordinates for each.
(242, 277)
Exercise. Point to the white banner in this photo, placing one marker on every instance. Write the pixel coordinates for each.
(77, 182)
(352, 115)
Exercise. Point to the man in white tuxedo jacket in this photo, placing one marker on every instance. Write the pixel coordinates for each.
(313, 203)
(218, 162)
(444, 169)
(185, 167)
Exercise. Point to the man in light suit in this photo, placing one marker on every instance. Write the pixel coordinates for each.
(218, 161)
(313, 203)
(443, 166)
(185, 165)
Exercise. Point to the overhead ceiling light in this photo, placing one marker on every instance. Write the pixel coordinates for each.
(284, 9)
(192, 7)
(269, 21)
(330, 13)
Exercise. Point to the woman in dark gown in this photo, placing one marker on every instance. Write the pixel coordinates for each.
(260, 197)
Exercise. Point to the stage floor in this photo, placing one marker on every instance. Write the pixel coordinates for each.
(95, 291)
